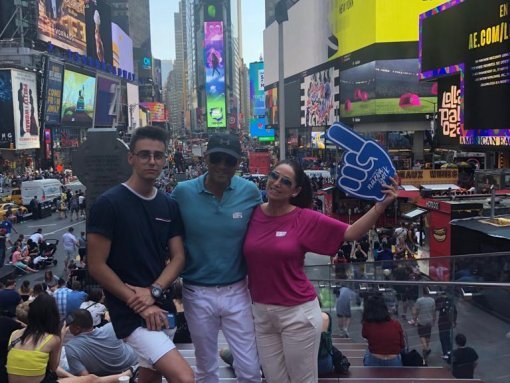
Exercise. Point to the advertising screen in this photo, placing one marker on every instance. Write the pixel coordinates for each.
(318, 140)
(214, 74)
(382, 21)
(122, 49)
(54, 93)
(258, 129)
(257, 89)
(107, 101)
(447, 128)
(78, 99)
(272, 106)
(385, 87)
(157, 111)
(63, 24)
(472, 38)
(6, 111)
(133, 108)
(26, 123)
(319, 94)
(98, 19)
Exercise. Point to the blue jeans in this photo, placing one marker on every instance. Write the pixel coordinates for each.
(370, 360)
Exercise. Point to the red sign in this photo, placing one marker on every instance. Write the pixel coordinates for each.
(260, 162)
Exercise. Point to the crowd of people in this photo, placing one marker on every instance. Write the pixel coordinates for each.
(241, 261)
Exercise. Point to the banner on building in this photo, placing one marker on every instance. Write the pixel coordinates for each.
(24, 95)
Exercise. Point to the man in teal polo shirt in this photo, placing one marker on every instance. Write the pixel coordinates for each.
(216, 208)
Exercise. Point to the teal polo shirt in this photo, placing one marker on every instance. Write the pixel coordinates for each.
(215, 230)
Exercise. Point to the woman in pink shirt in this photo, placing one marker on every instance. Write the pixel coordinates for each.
(285, 307)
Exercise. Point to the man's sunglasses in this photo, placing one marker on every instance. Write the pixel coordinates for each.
(283, 180)
(216, 158)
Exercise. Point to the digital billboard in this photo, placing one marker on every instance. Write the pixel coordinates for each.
(98, 19)
(472, 39)
(447, 126)
(78, 99)
(63, 24)
(133, 107)
(54, 93)
(385, 87)
(319, 98)
(6, 111)
(214, 74)
(107, 101)
(157, 111)
(258, 129)
(258, 106)
(382, 21)
(122, 49)
(25, 109)
(318, 140)
(272, 106)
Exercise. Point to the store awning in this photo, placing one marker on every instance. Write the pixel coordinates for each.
(482, 225)
(415, 213)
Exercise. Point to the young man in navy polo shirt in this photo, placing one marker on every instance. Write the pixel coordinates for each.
(216, 208)
(136, 251)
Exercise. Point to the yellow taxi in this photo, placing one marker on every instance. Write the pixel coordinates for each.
(14, 208)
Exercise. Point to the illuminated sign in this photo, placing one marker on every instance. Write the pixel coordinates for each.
(78, 99)
(472, 39)
(214, 60)
(54, 92)
(259, 129)
(257, 89)
(6, 111)
(318, 98)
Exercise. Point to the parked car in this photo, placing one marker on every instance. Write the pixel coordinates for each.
(14, 207)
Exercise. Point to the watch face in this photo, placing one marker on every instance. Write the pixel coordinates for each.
(156, 292)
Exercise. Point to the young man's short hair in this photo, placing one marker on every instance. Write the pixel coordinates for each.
(460, 339)
(151, 132)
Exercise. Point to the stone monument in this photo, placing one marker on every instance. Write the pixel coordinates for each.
(101, 162)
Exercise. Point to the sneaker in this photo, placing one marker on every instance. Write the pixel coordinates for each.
(411, 322)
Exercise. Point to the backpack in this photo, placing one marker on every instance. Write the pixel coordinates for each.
(340, 361)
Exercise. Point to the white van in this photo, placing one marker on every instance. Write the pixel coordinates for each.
(45, 190)
(75, 186)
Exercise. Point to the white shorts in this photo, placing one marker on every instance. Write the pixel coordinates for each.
(150, 345)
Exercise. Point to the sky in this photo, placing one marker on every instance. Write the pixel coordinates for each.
(162, 28)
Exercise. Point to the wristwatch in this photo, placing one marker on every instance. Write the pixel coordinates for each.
(156, 291)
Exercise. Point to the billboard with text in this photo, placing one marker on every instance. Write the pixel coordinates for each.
(214, 59)
(63, 24)
(54, 93)
(257, 89)
(26, 122)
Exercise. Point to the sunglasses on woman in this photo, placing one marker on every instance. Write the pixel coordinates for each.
(283, 180)
(216, 158)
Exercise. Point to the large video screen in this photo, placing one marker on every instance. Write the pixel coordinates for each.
(157, 111)
(259, 129)
(6, 111)
(98, 19)
(272, 106)
(63, 24)
(108, 100)
(471, 38)
(215, 74)
(54, 93)
(385, 87)
(257, 89)
(26, 120)
(122, 49)
(78, 99)
(319, 94)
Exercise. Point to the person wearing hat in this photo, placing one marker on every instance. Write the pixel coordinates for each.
(135, 251)
(216, 208)
(95, 350)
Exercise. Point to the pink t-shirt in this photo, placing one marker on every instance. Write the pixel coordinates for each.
(275, 249)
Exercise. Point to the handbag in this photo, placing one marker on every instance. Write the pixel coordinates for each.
(340, 361)
(411, 358)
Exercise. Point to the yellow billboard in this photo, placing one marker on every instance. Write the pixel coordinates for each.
(359, 23)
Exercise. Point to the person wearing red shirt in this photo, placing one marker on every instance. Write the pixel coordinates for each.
(285, 308)
(384, 335)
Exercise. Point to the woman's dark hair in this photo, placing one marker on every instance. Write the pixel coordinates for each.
(375, 310)
(38, 289)
(25, 286)
(96, 294)
(48, 275)
(43, 317)
(150, 132)
(305, 197)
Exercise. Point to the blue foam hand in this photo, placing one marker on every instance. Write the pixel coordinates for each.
(366, 166)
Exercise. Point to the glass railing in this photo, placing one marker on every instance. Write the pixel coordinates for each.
(477, 285)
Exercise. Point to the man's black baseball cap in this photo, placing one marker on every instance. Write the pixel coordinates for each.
(224, 143)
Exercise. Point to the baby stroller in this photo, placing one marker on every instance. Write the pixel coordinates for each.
(47, 250)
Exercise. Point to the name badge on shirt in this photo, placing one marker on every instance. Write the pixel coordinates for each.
(281, 233)
(237, 215)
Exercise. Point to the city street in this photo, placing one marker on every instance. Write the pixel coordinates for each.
(52, 227)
